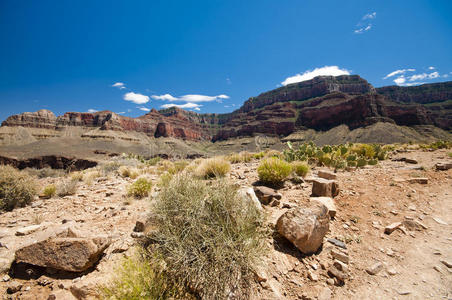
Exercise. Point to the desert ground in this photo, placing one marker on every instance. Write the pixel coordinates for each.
(410, 261)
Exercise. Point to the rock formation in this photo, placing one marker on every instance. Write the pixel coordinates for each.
(321, 103)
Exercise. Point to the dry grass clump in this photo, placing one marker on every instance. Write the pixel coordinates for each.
(66, 187)
(17, 189)
(140, 188)
(273, 153)
(130, 172)
(49, 191)
(164, 165)
(259, 155)
(300, 168)
(110, 167)
(213, 167)
(243, 156)
(178, 166)
(89, 176)
(273, 171)
(208, 237)
(76, 176)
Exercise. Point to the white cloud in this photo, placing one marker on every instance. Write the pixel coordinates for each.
(121, 112)
(186, 105)
(370, 16)
(423, 76)
(136, 98)
(119, 85)
(166, 97)
(92, 110)
(326, 70)
(431, 68)
(190, 98)
(363, 29)
(366, 23)
(228, 81)
(129, 110)
(400, 80)
(143, 108)
(197, 108)
(396, 72)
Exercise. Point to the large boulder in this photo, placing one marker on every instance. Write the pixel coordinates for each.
(73, 254)
(324, 188)
(305, 227)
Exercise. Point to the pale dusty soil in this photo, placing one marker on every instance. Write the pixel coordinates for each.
(370, 199)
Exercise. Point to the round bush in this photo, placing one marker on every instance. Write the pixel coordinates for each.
(300, 168)
(17, 189)
(213, 167)
(140, 188)
(273, 171)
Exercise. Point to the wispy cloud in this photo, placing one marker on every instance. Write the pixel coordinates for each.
(228, 81)
(119, 85)
(189, 98)
(186, 105)
(143, 108)
(136, 98)
(402, 79)
(91, 110)
(324, 71)
(396, 72)
(366, 23)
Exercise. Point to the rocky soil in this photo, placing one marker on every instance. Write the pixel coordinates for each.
(405, 197)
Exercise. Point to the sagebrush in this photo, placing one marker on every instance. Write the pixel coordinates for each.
(17, 189)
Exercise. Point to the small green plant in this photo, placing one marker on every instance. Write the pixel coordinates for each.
(213, 167)
(49, 191)
(140, 188)
(300, 168)
(273, 171)
(139, 277)
(259, 155)
(164, 179)
(66, 188)
(17, 189)
(243, 156)
(449, 154)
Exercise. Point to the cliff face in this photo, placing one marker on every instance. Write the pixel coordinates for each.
(321, 104)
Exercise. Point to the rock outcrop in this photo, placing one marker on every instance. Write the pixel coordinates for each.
(321, 103)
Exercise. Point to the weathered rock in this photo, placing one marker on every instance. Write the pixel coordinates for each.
(375, 268)
(339, 275)
(390, 228)
(418, 180)
(305, 227)
(69, 253)
(266, 194)
(13, 287)
(324, 188)
(327, 175)
(248, 195)
(340, 266)
(328, 202)
(338, 243)
(413, 225)
(447, 263)
(27, 230)
(444, 166)
(313, 276)
(339, 255)
(61, 295)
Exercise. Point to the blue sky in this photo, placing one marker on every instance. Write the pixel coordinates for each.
(209, 55)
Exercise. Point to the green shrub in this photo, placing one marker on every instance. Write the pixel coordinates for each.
(259, 155)
(213, 167)
(140, 188)
(17, 189)
(207, 236)
(138, 277)
(300, 168)
(66, 188)
(273, 171)
(152, 161)
(49, 191)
